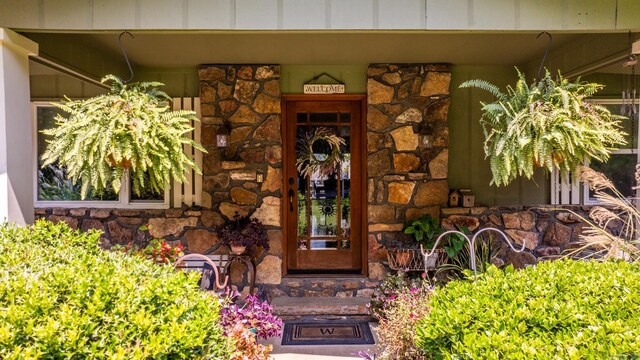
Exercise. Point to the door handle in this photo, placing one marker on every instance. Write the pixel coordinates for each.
(291, 193)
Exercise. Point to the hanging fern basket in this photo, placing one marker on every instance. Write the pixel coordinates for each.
(129, 129)
(549, 124)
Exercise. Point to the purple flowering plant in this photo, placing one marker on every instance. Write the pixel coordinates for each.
(243, 231)
(393, 287)
(397, 326)
(254, 314)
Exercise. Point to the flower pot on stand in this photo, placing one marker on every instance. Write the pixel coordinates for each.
(238, 249)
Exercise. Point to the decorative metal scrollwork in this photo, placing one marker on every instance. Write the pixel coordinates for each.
(472, 242)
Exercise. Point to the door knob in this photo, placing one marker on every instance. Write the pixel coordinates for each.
(291, 193)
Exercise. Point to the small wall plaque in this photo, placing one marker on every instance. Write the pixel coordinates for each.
(310, 88)
(324, 88)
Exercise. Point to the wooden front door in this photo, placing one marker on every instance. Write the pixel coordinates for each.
(324, 210)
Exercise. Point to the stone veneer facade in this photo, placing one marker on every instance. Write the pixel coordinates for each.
(404, 180)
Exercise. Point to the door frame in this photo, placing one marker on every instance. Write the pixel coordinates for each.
(362, 98)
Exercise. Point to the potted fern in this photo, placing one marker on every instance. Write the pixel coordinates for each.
(129, 129)
(549, 124)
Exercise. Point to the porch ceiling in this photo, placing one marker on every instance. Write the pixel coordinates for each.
(331, 48)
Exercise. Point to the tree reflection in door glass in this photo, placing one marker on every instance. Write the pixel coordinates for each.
(324, 206)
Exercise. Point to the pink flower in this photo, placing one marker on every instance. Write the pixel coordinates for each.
(424, 275)
(414, 290)
(392, 297)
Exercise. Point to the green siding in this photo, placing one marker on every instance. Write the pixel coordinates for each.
(467, 165)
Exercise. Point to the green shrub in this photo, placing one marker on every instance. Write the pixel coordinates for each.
(562, 309)
(63, 297)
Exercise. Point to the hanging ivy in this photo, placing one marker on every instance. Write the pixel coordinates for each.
(129, 129)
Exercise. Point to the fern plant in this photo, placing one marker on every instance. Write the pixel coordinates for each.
(129, 129)
(548, 124)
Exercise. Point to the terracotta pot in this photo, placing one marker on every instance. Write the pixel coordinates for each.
(124, 163)
(557, 158)
(403, 258)
(238, 249)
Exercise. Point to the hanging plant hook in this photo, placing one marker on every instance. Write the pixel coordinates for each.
(125, 54)
(546, 52)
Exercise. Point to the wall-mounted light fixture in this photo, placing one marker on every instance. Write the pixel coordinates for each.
(425, 137)
(222, 137)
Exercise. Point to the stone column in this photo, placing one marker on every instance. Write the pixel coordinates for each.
(405, 180)
(16, 129)
(246, 177)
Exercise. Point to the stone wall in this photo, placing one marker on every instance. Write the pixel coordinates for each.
(246, 177)
(547, 231)
(405, 180)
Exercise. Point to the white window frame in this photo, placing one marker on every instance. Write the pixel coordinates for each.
(124, 195)
(586, 199)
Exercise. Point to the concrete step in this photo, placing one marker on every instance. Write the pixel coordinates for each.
(291, 307)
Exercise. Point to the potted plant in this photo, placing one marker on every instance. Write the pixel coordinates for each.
(127, 130)
(424, 231)
(242, 233)
(549, 123)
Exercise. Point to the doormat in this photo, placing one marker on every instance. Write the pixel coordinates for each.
(339, 332)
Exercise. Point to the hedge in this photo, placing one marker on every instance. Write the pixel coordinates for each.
(63, 297)
(561, 309)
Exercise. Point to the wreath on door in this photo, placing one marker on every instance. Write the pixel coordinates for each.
(308, 161)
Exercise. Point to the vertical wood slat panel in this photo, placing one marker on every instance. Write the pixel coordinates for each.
(564, 190)
(197, 134)
(188, 150)
(177, 187)
(190, 192)
(575, 189)
(555, 191)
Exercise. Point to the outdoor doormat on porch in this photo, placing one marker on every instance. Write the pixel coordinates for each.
(326, 332)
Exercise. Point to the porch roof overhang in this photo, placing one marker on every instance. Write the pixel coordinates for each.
(173, 49)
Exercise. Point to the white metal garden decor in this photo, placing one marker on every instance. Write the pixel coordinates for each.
(472, 243)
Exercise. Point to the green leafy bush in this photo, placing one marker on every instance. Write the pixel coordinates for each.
(62, 297)
(563, 309)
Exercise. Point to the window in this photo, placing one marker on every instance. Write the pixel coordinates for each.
(621, 167)
(53, 189)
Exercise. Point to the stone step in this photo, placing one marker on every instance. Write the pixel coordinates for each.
(307, 306)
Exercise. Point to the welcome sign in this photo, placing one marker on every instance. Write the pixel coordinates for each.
(324, 88)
